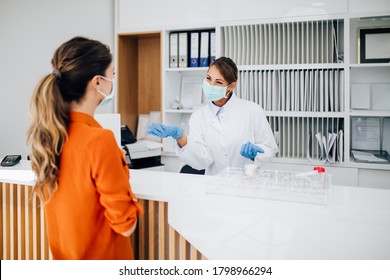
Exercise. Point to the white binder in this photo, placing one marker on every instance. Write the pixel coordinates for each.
(194, 49)
(204, 49)
(183, 49)
(173, 50)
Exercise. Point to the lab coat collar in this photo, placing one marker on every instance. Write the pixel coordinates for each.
(215, 109)
(231, 103)
(83, 118)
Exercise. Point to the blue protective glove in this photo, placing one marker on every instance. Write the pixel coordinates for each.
(163, 131)
(250, 150)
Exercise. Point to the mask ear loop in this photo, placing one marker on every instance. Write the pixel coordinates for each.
(226, 96)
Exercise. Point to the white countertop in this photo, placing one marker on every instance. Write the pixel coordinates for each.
(353, 223)
(18, 174)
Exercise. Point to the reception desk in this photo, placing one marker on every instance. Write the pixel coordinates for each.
(23, 235)
(183, 220)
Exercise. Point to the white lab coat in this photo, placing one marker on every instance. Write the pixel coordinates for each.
(214, 141)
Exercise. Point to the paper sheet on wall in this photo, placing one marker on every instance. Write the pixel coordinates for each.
(365, 133)
(191, 92)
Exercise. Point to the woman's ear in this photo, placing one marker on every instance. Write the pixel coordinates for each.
(233, 86)
(95, 82)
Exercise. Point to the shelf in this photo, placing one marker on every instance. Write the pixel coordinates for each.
(304, 114)
(369, 65)
(376, 166)
(168, 154)
(276, 160)
(188, 69)
(291, 66)
(351, 164)
(136, 94)
(369, 113)
(180, 111)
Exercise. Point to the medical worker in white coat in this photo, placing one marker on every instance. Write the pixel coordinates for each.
(227, 132)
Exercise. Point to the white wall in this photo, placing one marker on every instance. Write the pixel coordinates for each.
(30, 31)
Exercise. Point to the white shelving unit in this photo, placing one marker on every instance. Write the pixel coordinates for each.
(300, 68)
(369, 75)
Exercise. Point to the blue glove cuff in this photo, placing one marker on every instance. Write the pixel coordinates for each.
(178, 133)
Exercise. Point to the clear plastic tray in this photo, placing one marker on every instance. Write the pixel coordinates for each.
(272, 184)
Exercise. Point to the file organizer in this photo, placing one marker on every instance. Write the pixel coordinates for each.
(298, 138)
(304, 82)
(307, 90)
(305, 42)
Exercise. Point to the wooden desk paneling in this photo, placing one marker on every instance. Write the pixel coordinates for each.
(23, 235)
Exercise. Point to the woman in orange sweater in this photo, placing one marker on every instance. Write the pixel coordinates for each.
(81, 173)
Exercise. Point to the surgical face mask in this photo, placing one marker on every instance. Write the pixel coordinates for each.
(107, 98)
(213, 93)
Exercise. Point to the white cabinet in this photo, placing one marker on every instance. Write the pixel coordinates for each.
(304, 71)
(369, 106)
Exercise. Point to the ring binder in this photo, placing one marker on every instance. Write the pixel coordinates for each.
(194, 49)
(173, 50)
(183, 49)
(204, 49)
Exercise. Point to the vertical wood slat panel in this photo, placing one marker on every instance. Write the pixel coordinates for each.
(170, 244)
(141, 234)
(161, 230)
(3, 222)
(151, 223)
(23, 234)
(19, 222)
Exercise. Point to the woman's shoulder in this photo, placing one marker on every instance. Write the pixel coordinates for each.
(90, 135)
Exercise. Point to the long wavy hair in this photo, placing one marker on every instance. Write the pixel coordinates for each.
(74, 63)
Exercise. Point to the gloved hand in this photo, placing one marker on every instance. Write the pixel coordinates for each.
(250, 150)
(163, 131)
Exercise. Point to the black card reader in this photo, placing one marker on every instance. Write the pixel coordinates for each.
(11, 160)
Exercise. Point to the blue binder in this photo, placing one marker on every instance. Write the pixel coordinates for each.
(204, 49)
(194, 49)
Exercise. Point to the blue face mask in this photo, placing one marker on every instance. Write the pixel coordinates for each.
(213, 93)
(107, 98)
